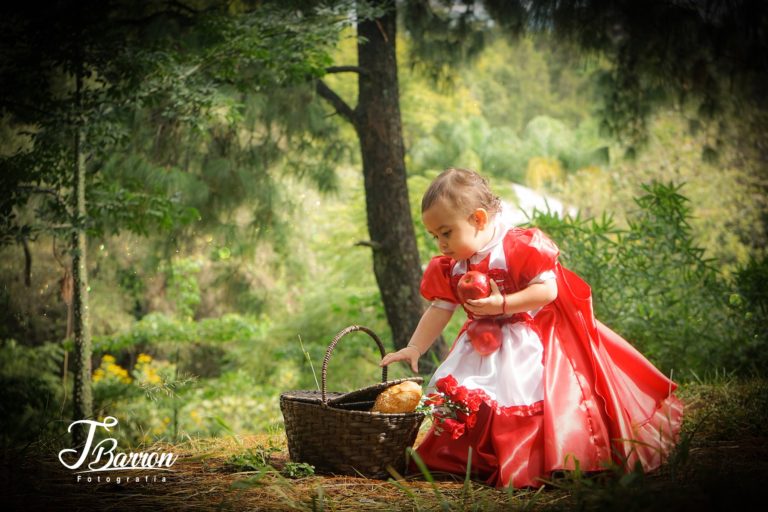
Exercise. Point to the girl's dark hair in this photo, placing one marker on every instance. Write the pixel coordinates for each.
(463, 189)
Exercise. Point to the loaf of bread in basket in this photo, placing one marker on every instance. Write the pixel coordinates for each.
(400, 398)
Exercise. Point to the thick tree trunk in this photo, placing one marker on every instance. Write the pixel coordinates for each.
(376, 119)
(82, 396)
(390, 225)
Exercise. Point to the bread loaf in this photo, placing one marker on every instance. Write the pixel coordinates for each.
(403, 397)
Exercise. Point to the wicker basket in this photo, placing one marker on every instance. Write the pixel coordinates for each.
(337, 433)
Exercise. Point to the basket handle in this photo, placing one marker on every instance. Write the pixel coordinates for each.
(341, 334)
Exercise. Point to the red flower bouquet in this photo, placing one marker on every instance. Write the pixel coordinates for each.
(453, 408)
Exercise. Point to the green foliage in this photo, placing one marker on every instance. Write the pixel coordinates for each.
(114, 206)
(751, 304)
(253, 459)
(209, 377)
(727, 206)
(259, 459)
(472, 143)
(442, 35)
(652, 283)
(535, 75)
(298, 470)
(336, 289)
(30, 392)
(501, 115)
(144, 399)
(668, 53)
(183, 289)
(159, 330)
(186, 77)
(663, 54)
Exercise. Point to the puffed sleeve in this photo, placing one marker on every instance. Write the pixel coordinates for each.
(531, 256)
(436, 283)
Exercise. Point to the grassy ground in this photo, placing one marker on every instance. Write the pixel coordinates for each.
(721, 464)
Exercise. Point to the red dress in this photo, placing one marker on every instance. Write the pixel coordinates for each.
(563, 388)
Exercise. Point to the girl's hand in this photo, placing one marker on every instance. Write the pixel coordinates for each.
(411, 354)
(489, 306)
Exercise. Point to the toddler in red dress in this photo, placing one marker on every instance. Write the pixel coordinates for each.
(561, 389)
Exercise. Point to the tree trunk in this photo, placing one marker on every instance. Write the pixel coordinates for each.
(390, 225)
(376, 119)
(82, 396)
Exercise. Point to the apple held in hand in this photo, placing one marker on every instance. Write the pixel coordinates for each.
(485, 336)
(473, 285)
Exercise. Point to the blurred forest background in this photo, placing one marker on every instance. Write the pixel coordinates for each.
(225, 206)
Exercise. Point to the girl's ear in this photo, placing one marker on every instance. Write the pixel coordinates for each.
(480, 218)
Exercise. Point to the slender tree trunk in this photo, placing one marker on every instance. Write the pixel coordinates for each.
(82, 396)
(390, 224)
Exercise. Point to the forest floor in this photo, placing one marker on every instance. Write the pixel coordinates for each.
(721, 464)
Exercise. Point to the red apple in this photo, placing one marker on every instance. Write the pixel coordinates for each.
(485, 336)
(473, 285)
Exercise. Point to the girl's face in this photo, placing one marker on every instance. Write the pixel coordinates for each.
(458, 235)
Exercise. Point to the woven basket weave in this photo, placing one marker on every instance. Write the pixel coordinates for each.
(337, 433)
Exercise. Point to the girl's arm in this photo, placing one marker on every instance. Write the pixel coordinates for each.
(532, 297)
(431, 325)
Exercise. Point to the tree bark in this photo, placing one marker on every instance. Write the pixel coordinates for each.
(82, 396)
(376, 119)
(390, 224)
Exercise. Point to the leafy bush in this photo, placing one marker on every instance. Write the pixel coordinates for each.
(168, 377)
(652, 283)
(751, 304)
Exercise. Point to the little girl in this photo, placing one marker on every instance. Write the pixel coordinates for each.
(561, 390)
